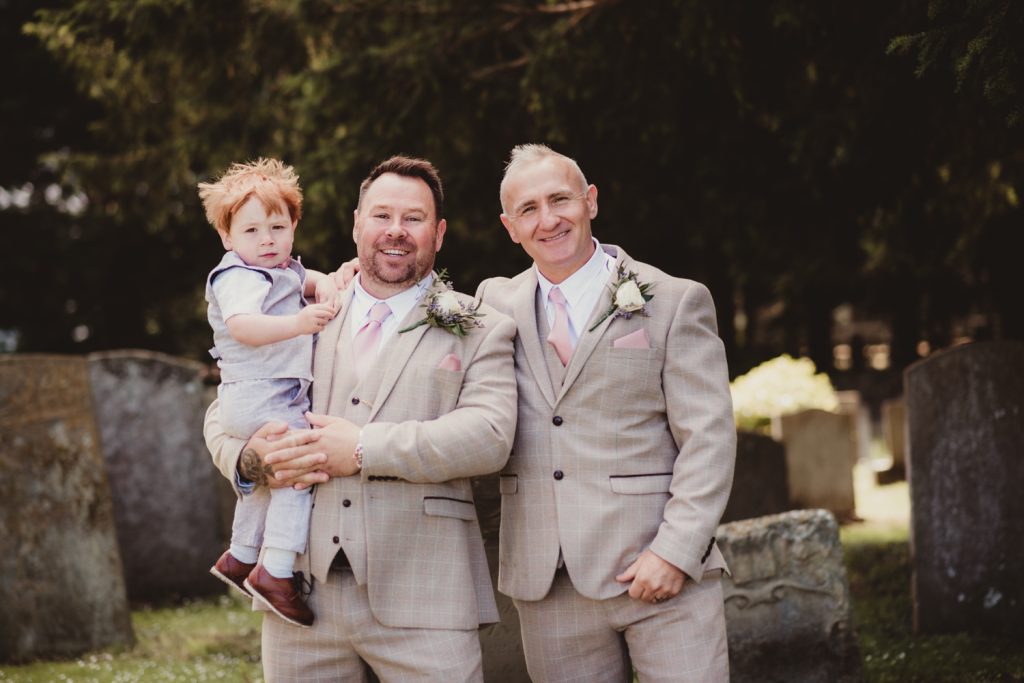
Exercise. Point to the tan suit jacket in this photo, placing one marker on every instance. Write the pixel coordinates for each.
(633, 450)
(407, 522)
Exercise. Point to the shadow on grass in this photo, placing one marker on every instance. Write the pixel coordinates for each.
(878, 567)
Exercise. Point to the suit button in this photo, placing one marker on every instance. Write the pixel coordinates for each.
(346, 503)
(336, 539)
(355, 400)
(557, 420)
(559, 475)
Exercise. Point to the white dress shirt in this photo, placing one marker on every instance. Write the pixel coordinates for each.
(582, 290)
(400, 305)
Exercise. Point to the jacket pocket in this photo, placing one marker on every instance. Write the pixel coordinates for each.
(439, 506)
(508, 484)
(641, 483)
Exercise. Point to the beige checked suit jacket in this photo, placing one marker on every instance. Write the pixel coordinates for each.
(407, 521)
(634, 450)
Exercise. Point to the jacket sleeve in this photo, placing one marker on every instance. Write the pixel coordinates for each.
(475, 438)
(696, 383)
(225, 450)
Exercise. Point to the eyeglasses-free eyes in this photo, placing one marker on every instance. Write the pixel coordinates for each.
(528, 215)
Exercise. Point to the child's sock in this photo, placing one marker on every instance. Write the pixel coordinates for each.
(244, 553)
(279, 563)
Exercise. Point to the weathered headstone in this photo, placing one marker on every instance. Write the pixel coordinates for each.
(820, 453)
(787, 604)
(759, 485)
(167, 493)
(850, 404)
(965, 416)
(894, 431)
(501, 643)
(61, 587)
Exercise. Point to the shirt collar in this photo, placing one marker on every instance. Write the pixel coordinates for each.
(400, 304)
(576, 285)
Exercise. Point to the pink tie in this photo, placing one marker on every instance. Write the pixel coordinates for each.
(559, 337)
(367, 339)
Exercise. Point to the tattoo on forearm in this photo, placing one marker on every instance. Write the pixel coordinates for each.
(253, 468)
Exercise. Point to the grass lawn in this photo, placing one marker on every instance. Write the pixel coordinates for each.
(218, 640)
(209, 640)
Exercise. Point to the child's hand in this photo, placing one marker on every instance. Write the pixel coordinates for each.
(327, 291)
(314, 318)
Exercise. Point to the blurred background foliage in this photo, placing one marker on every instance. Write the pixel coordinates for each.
(795, 156)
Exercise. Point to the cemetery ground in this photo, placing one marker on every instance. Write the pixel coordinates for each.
(218, 639)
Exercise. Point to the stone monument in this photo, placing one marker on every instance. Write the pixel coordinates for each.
(787, 604)
(965, 416)
(894, 431)
(167, 493)
(759, 486)
(820, 454)
(850, 403)
(61, 587)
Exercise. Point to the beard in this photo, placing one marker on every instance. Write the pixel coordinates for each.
(374, 268)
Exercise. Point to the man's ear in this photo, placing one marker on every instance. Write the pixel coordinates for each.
(510, 227)
(442, 226)
(592, 201)
(355, 226)
(225, 239)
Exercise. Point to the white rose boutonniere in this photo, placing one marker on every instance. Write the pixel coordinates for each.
(444, 309)
(629, 298)
(628, 295)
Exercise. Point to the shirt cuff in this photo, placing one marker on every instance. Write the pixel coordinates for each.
(244, 486)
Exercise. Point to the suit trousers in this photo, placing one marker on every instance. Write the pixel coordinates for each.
(569, 637)
(346, 641)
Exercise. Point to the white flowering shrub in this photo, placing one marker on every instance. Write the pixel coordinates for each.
(781, 386)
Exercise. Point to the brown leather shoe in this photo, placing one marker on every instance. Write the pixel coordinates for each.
(280, 595)
(232, 572)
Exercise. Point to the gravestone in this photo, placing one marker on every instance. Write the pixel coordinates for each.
(62, 592)
(965, 416)
(820, 454)
(501, 643)
(167, 493)
(787, 604)
(850, 404)
(759, 485)
(894, 431)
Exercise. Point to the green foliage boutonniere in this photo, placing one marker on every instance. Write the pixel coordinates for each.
(629, 296)
(444, 309)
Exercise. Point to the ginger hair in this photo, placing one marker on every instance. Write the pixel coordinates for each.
(271, 181)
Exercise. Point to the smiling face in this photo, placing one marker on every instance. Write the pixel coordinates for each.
(396, 233)
(260, 238)
(548, 212)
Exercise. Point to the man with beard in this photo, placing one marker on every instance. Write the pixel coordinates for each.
(414, 393)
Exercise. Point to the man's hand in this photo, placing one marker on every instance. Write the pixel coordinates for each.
(312, 456)
(653, 579)
(314, 317)
(345, 274)
(251, 464)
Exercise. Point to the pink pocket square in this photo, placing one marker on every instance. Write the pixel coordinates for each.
(633, 340)
(450, 362)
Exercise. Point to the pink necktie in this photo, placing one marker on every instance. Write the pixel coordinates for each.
(367, 339)
(559, 337)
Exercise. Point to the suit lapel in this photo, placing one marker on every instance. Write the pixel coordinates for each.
(388, 367)
(324, 358)
(588, 341)
(525, 313)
